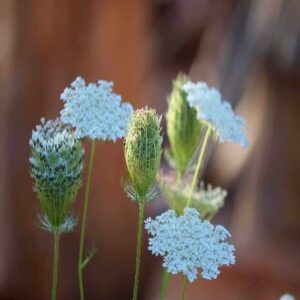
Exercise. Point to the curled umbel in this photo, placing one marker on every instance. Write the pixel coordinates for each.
(56, 166)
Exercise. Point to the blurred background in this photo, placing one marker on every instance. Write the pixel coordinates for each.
(249, 49)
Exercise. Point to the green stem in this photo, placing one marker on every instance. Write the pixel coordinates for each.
(55, 264)
(199, 164)
(84, 219)
(164, 285)
(138, 250)
(184, 286)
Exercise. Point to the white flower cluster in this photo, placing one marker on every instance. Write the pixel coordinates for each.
(95, 111)
(209, 106)
(188, 243)
(287, 297)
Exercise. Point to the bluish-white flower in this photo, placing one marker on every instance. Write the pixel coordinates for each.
(226, 125)
(287, 297)
(188, 243)
(95, 111)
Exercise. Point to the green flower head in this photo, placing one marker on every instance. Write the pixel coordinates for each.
(56, 166)
(183, 128)
(143, 154)
(207, 200)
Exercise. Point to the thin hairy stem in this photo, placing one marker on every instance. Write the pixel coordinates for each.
(55, 264)
(84, 219)
(164, 285)
(183, 290)
(138, 250)
(199, 165)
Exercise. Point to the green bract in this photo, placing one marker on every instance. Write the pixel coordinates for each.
(56, 166)
(142, 154)
(183, 128)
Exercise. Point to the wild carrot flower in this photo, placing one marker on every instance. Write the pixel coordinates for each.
(187, 243)
(226, 125)
(56, 167)
(183, 127)
(95, 111)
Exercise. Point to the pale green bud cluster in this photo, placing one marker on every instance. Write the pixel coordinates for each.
(142, 154)
(206, 200)
(183, 128)
(56, 166)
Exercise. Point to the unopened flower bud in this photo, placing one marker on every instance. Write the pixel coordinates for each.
(143, 153)
(183, 127)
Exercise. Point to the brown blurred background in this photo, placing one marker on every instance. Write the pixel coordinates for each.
(250, 49)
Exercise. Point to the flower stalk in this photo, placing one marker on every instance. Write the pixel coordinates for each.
(184, 288)
(199, 164)
(84, 220)
(164, 285)
(138, 250)
(55, 264)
